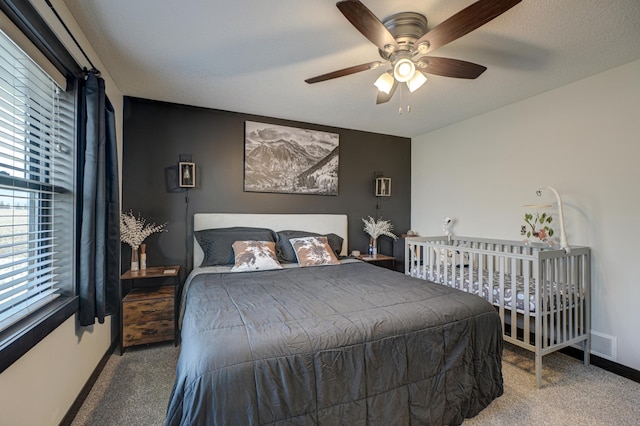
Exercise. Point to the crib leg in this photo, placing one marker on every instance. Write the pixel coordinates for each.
(586, 347)
(538, 369)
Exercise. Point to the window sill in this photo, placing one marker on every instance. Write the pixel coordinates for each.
(18, 339)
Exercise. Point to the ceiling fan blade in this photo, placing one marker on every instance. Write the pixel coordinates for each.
(368, 24)
(383, 97)
(345, 71)
(448, 67)
(465, 21)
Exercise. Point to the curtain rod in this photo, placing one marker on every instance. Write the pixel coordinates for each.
(55, 12)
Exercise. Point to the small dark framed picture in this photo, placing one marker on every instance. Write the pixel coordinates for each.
(187, 174)
(383, 187)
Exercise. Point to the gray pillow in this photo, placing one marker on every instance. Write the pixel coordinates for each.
(285, 250)
(217, 243)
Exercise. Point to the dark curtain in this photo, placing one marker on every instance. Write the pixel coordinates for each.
(98, 208)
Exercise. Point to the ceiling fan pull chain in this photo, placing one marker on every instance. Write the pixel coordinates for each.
(408, 109)
(404, 100)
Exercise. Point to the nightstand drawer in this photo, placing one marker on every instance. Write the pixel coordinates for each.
(149, 309)
(147, 332)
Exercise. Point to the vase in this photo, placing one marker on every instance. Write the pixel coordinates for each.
(134, 259)
(143, 256)
(374, 247)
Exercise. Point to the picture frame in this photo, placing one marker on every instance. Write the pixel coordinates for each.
(383, 187)
(187, 174)
(290, 160)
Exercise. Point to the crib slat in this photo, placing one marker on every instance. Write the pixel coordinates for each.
(553, 280)
(540, 317)
(481, 282)
(526, 276)
(575, 293)
(573, 274)
(562, 324)
(566, 298)
(553, 306)
(558, 312)
(508, 268)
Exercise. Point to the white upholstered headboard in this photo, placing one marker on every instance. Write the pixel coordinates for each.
(318, 223)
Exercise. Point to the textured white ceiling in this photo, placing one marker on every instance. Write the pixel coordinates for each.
(253, 56)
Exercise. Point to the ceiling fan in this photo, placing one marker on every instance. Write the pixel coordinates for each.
(403, 42)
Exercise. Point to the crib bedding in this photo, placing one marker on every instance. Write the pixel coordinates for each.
(342, 344)
(491, 292)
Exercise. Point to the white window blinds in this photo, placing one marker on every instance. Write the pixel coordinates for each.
(36, 186)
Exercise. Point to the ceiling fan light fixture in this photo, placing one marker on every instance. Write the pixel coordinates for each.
(384, 83)
(416, 81)
(404, 70)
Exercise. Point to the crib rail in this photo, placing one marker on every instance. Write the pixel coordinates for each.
(541, 293)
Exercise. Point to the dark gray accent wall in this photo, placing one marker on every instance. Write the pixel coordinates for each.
(156, 134)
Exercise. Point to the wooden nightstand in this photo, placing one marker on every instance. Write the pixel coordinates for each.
(379, 259)
(149, 312)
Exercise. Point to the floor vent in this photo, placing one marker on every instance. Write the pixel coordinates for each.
(604, 346)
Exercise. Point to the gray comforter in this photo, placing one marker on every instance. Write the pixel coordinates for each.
(350, 344)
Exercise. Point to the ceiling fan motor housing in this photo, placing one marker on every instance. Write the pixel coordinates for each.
(406, 28)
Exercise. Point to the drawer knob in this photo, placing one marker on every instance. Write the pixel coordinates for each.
(150, 311)
(149, 331)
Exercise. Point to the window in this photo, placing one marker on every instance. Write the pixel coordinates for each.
(37, 161)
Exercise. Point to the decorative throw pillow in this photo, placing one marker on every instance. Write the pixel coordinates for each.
(217, 243)
(312, 251)
(285, 251)
(255, 256)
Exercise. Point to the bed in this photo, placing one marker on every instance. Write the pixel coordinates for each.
(541, 293)
(339, 343)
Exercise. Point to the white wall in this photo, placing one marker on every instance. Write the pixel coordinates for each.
(40, 387)
(584, 140)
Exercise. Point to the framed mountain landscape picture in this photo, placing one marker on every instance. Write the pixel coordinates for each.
(290, 160)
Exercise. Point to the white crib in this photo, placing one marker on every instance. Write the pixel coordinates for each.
(541, 293)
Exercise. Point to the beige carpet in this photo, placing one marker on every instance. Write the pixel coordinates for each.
(134, 390)
(571, 394)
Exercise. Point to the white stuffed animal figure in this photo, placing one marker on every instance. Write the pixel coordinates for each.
(447, 227)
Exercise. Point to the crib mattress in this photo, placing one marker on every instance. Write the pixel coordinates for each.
(489, 287)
